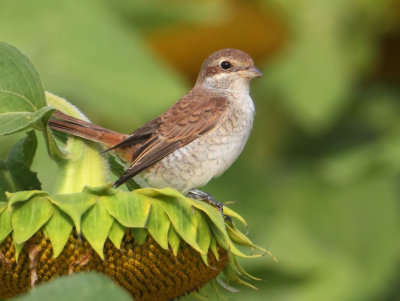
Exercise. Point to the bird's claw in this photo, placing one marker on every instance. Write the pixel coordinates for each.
(205, 196)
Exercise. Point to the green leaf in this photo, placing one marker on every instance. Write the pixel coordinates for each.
(221, 237)
(116, 234)
(5, 225)
(235, 251)
(243, 271)
(19, 81)
(78, 287)
(59, 229)
(203, 236)
(213, 214)
(18, 247)
(29, 217)
(24, 150)
(22, 196)
(179, 210)
(100, 190)
(174, 240)
(96, 224)
(129, 208)
(213, 247)
(154, 193)
(15, 173)
(12, 122)
(22, 99)
(20, 177)
(239, 238)
(182, 219)
(229, 212)
(158, 224)
(140, 235)
(74, 205)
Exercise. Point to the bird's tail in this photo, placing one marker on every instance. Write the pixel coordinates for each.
(77, 127)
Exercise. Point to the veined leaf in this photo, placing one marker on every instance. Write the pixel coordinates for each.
(153, 192)
(213, 247)
(182, 219)
(116, 234)
(203, 236)
(129, 208)
(24, 149)
(18, 247)
(214, 215)
(19, 78)
(158, 224)
(74, 205)
(174, 240)
(22, 99)
(12, 122)
(20, 177)
(22, 196)
(220, 236)
(15, 173)
(29, 217)
(96, 224)
(59, 229)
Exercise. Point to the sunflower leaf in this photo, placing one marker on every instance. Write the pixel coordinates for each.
(158, 224)
(29, 217)
(59, 229)
(96, 224)
(74, 205)
(116, 234)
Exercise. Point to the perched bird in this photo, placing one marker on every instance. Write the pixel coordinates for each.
(196, 139)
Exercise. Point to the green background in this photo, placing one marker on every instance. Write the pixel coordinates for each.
(319, 178)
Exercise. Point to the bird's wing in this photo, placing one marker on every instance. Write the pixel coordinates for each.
(139, 136)
(191, 117)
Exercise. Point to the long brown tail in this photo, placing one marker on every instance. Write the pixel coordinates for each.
(77, 127)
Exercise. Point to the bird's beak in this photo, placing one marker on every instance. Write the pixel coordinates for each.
(250, 72)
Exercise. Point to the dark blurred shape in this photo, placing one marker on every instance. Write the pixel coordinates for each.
(388, 66)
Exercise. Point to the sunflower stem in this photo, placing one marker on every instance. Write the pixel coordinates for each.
(81, 163)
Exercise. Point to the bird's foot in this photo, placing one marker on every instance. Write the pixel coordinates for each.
(205, 196)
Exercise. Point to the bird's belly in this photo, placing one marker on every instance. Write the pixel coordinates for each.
(208, 156)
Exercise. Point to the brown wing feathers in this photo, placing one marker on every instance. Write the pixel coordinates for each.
(189, 118)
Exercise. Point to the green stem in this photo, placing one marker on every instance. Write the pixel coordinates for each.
(81, 164)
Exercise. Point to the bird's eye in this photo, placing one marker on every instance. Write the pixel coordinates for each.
(225, 65)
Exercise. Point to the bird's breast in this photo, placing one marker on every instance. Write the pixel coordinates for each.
(209, 155)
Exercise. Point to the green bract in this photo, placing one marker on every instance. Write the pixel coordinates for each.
(102, 212)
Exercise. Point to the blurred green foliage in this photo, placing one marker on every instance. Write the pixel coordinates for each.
(319, 179)
(79, 287)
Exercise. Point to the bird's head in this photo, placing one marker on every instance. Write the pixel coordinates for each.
(228, 70)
